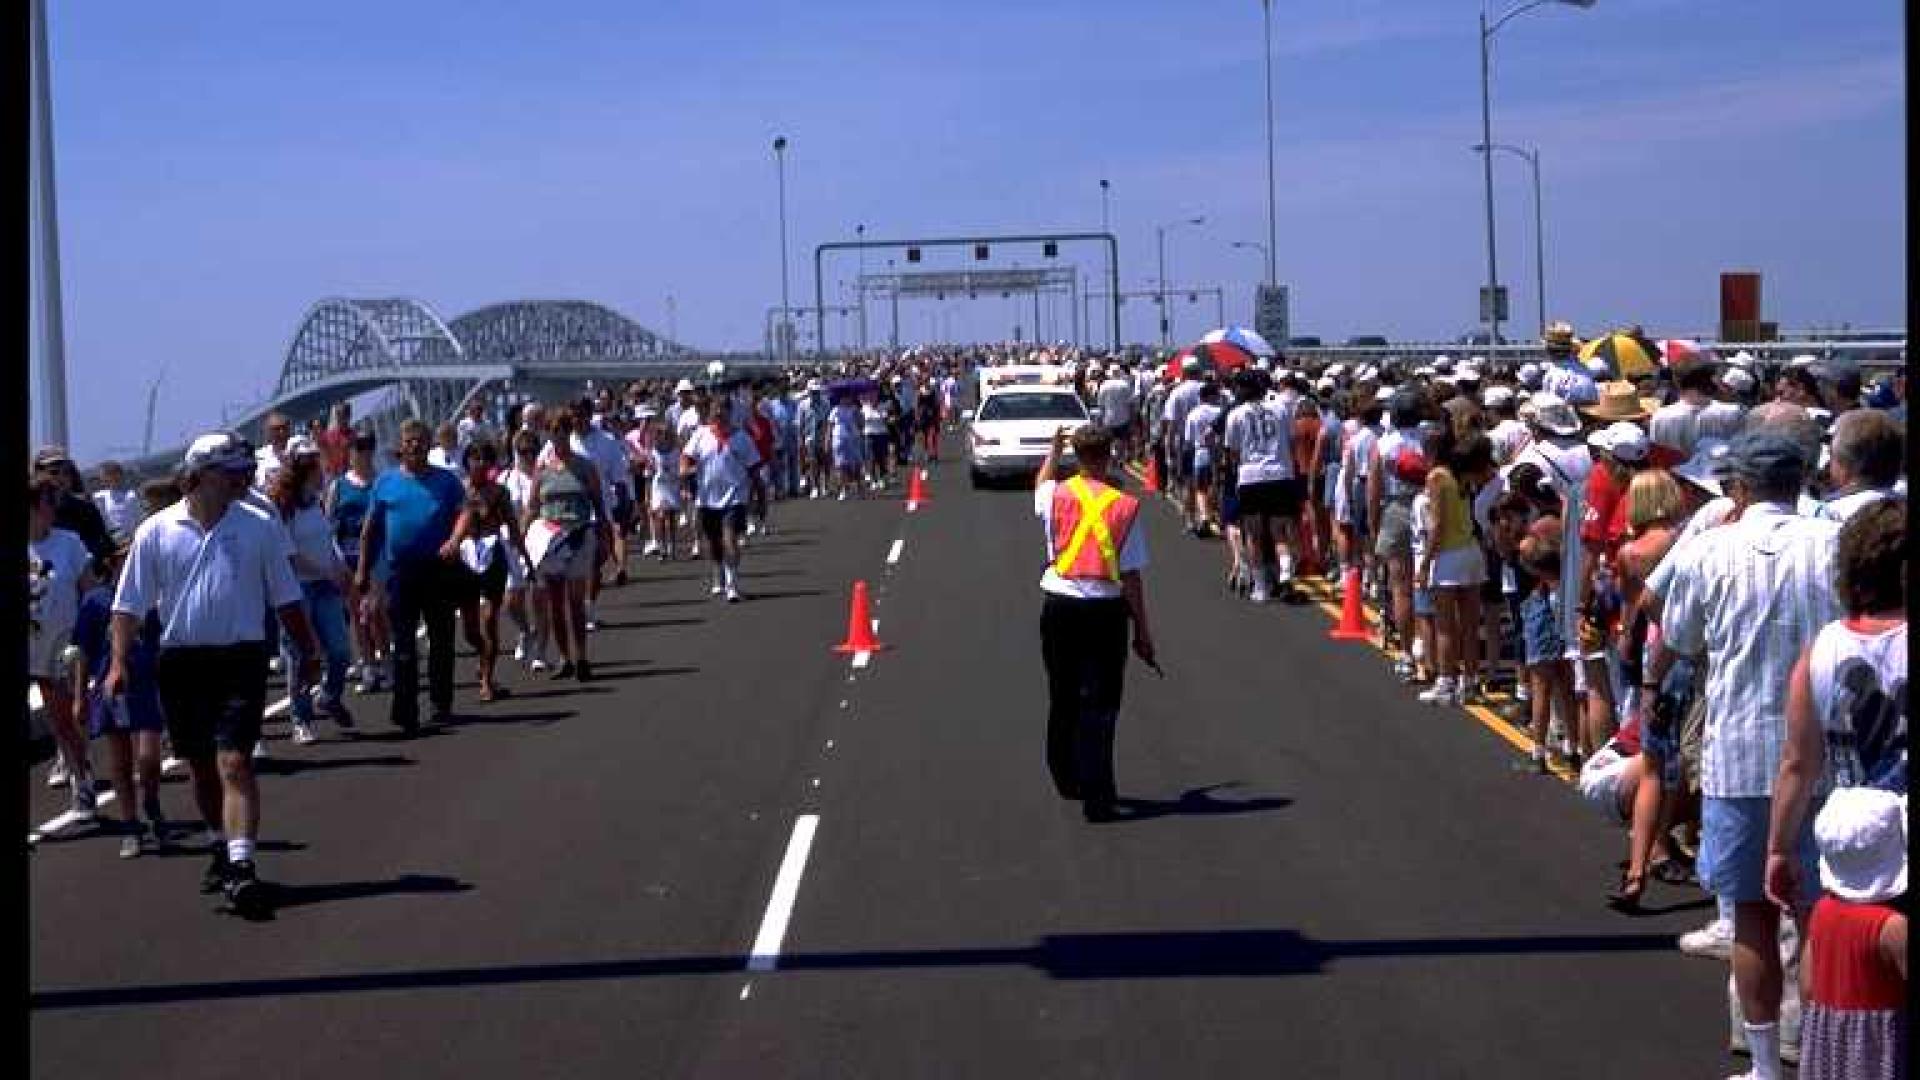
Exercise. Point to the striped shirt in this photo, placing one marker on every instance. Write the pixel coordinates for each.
(1750, 596)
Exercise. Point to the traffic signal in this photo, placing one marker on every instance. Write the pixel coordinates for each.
(1050, 249)
(913, 254)
(979, 253)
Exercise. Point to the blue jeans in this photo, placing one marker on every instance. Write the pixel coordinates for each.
(326, 609)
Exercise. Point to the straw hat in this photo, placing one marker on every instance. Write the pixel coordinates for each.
(1620, 401)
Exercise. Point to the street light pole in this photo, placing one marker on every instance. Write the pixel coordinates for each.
(1532, 158)
(1104, 208)
(860, 233)
(1487, 30)
(1160, 231)
(53, 348)
(1266, 10)
(786, 312)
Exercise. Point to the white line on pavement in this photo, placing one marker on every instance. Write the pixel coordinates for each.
(893, 553)
(786, 888)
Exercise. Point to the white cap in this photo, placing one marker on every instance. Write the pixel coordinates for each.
(1325, 385)
(1497, 396)
(222, 450)
(1738, 379)
(1552, 413)
(1383, 395)
(684, 386)
(301, 446)
(1530, 375)
(1443, 362)
(1862, 833)
(1334, 371)
(1804, 360)
(1741, 359)
(1625, 441)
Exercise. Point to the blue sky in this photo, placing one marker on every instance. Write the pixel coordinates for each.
(223, 165)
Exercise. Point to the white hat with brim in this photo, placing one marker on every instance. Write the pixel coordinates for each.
(1624, 441)
(1383, 395)
(1862, 833)
(1738, 379)
(1552, 414)
(1497, 396)
(684, 386)
(1704, 469)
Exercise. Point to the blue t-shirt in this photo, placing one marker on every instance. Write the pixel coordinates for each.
(92, 634)
(415, 514)
(350, 502)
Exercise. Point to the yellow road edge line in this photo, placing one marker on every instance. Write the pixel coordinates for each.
(1486, 717)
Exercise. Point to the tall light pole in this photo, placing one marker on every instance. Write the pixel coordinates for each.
(786, 311)
(53, 347)
(1487, 30)
(860, 234)
(1532, 158)
(1265, 254)
(1266, 13)
(1160, 232)
(1105, 209)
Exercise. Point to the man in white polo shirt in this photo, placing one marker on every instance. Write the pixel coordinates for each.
(209, 565)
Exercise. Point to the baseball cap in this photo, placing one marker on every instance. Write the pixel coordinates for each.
(1741, 359)
(301, 446)
(221, 450)
(1334, 371)
(1737, 379)
(1767, 458)
(1530, 375)
(51, 455)
(1325, 385)
(1862, 833)
(1410, 464)
(684, 386)
(1497, 396)
(1383, 396)
(1625, 441)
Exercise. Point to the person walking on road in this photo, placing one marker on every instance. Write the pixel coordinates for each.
(209, 567)
(725, 465)
(566, 525)
(410, 515)
(1093, 591)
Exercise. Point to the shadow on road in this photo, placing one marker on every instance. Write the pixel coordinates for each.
(1166, 955)
(756, 594)
(289, 766)
(285, 897)
(648, 624)
(1198, 802)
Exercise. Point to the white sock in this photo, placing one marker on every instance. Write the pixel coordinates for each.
(731, 576)
(240, 849)
(1763, 1040)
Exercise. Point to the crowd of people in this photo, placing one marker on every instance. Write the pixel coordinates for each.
(1689, 569)
(158, 615)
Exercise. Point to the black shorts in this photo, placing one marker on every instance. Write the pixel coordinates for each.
(1272, 498)
(715, 519)
(489, 584)
(622, 508)
(214, 697)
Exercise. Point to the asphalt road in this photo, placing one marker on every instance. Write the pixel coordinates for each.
(1317, 876)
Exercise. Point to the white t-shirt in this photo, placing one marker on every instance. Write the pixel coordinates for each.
(1421, 518)
(609, 460)
(1199, 430)
(1681, 425)
(215, 598)
(1115, 398)
(266, 465)
(1859, 683)
(683, 425)
(722, 467)
(1508, 437)
(121, 508)
(315, 557)
(1132, 554)
(58, 563)
(1180, 401)
(1261, 438)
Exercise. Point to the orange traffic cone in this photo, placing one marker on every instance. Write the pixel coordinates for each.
(1353, 621)
(1153, 474)
(860, 636)
(916, 488)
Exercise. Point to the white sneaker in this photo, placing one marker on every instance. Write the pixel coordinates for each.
(843, 494)
(537, 666)
(1521, 692)
(1461, 690)
(1440, 693)
(276, 665)
(260, 749)
(1259, 595)
(650, 548)
(714, 589)
(733, 596)
(303, 734)
(1713, 941)
(520, 650)
(58, 776)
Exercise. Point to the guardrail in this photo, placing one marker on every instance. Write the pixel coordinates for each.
(1874, 355)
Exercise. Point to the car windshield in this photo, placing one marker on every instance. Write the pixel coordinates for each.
(1032, 407)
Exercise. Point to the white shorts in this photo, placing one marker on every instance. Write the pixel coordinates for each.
(1600, 780)
(1460, 567)
(663, 497)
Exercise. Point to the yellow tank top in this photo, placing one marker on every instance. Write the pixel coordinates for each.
(1458, 531)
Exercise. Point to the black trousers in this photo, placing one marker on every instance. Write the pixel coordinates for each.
(429, 591)
(1084, 646)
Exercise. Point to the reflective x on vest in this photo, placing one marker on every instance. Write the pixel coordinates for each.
(1092, 523)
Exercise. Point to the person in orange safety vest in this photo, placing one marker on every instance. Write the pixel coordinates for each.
(1093, 592)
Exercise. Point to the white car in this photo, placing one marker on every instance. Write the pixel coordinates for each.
(1014, 425)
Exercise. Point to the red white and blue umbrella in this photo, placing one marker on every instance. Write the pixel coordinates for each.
(1242, 338)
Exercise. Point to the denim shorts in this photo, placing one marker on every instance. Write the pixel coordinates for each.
(1733, 850)
(1539, 630)
(1422, 602)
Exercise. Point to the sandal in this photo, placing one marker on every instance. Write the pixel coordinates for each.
(1626, 895)
(1673, 872)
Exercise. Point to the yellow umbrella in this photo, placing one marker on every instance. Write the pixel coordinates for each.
(1627, 356)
